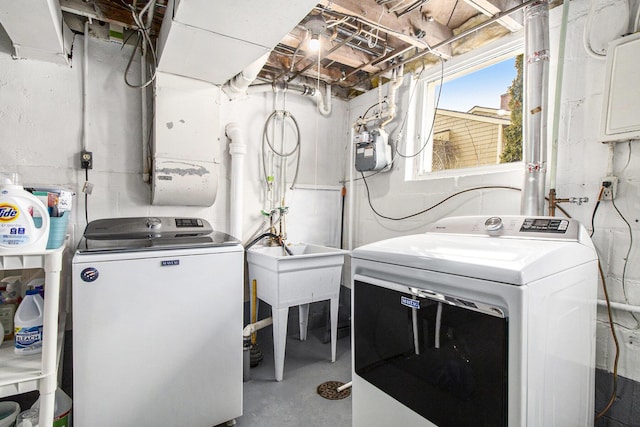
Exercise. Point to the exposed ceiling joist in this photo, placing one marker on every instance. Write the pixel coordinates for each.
(489, 9)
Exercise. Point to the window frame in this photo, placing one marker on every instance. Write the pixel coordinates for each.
(422, 110)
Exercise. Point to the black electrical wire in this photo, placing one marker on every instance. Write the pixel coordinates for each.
(626, 258)
(595, 209)
(433, 121)
(86, 198)
(485, 187)
(364, 116)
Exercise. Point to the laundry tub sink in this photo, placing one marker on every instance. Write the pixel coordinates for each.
(311, 274)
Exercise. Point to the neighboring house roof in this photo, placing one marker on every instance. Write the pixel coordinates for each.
(498, 120)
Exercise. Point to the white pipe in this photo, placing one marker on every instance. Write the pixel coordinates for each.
(324, 104)
(238, 84)
(237, 149)
(610, 155)
(436, 343)
(390, 113)
(343, 387)
(620, 306)
(145, 135)
(254, 327)
(85, 84)
(151, 5)
(553, 164)
(351, 167)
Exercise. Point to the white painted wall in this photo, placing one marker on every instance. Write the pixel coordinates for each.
(393, 196)
(40, 137)
(41, 126)
(321, 145)
(582, 162)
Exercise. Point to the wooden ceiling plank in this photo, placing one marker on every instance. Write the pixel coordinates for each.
(489, 9)
(99, 11)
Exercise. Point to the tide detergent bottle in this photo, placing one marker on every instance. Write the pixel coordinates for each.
(18, 231)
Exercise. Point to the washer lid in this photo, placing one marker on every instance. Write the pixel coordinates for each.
(150, 233)
(514, 253)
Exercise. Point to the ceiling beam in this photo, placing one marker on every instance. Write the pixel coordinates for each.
(405, 28)
(489, 9)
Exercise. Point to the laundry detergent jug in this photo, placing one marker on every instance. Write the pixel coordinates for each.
(18, 231)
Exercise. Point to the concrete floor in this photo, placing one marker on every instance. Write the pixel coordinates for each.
(294, 401)
(267, 403)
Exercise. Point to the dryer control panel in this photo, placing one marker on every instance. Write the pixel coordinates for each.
(509, 226)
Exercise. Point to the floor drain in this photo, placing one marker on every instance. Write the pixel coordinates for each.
(329, 390)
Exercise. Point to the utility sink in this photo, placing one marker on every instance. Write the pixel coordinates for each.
(311, 274)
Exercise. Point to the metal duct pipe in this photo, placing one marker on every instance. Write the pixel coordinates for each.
(534, 111)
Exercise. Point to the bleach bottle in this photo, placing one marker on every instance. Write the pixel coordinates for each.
(18, 231)
(28, 324)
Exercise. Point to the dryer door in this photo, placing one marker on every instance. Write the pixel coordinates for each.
(443, 357)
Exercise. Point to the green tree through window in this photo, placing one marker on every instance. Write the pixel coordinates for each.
(512, 151)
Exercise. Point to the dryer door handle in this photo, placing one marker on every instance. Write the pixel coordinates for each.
(426, 293)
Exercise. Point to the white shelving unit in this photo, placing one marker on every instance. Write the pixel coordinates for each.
(24, 373)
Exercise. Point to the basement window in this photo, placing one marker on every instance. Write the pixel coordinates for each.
(468, 114)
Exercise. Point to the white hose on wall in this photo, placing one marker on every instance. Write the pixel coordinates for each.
(238, 150)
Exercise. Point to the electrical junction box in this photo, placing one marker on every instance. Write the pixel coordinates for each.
(373, 152)
(620, 118)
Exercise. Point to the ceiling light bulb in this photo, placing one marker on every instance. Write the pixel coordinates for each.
(314, 43)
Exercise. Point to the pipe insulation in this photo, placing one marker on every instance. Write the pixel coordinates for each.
(536, 76)
(238, 150)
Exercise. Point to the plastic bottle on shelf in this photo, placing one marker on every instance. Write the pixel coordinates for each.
(18, 231)
(28, 324)
(8, 309)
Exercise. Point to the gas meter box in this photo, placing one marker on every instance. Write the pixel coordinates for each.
(372, 150)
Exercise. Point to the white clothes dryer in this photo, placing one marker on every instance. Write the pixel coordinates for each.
(478, 322)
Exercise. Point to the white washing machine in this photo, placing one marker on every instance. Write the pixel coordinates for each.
(478, 322)
(157, 324)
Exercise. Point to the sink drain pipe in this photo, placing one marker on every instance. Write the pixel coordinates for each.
(246, 345)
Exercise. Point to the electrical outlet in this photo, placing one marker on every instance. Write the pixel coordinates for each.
(86, 160)
(610, 186)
